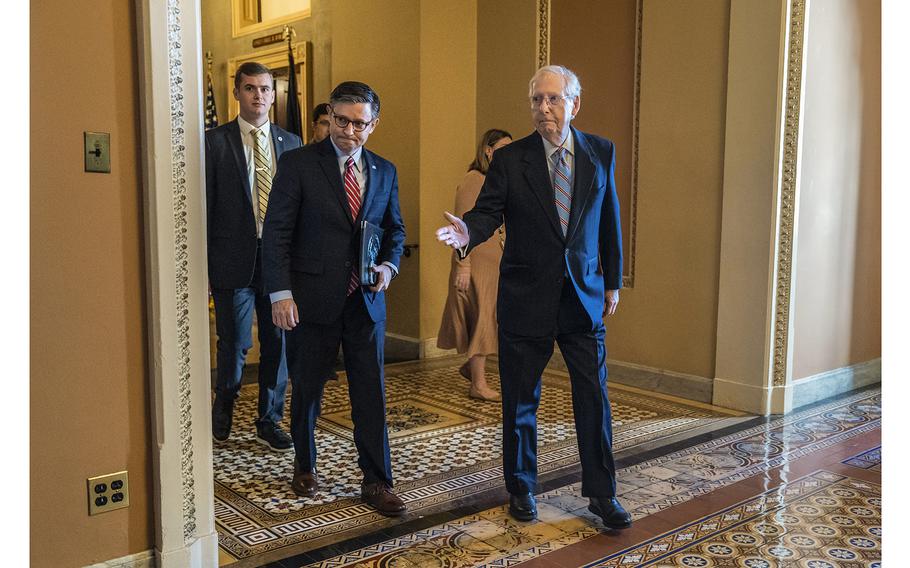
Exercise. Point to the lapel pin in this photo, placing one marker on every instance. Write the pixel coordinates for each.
(280, 139)
(374, 167)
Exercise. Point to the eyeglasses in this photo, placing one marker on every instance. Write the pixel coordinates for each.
(343, 122)
(552, 100)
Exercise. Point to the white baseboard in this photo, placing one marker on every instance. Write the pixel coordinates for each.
(144, 559)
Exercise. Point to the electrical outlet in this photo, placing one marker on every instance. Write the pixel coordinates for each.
(108, 492)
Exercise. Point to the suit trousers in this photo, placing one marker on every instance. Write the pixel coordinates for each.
(522, 360)
(234, 326)
(312, 349)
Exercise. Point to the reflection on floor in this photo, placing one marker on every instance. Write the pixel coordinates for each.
(705, 490)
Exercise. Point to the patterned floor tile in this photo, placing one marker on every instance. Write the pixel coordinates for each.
(445, 446)
(820, 520)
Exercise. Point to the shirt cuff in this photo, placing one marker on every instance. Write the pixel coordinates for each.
(462, 252)
(280, 295)
(393, 267)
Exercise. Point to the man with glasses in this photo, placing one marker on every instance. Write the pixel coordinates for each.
(311, 244)
(240, 159)
(560, 274)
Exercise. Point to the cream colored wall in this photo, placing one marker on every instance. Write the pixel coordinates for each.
(448, 85)
(390, 63)
(837, 320)
(89, 385)
(669, 319)
(749, 205)
(217, 38)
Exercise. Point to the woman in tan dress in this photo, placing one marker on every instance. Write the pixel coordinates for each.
(469, 320)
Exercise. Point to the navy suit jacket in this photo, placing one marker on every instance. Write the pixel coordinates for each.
(537, 257)
(230, 215)
(310, 242)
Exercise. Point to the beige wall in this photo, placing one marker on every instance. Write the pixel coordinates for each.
(448, 85)
(506, 59)
(89, 385)
(837, 320)
(749, 206)
(390, 63)
(669, 319)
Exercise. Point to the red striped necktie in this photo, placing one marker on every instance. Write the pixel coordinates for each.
(352, 190)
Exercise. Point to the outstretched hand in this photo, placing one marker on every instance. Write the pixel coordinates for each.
(454, 235)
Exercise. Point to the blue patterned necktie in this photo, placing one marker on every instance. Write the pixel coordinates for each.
(562, 188)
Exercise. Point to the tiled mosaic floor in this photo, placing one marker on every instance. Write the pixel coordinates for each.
(788, 493)
(445, 447)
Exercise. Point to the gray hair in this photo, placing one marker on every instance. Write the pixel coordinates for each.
(571, 87)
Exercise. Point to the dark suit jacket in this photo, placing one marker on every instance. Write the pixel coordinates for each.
(537, 256)
(310, 242)
(231, 218)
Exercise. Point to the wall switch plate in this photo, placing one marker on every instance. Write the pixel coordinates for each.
(98, 152)
(108, 492)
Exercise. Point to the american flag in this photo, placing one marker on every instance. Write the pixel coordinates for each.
(211, 115)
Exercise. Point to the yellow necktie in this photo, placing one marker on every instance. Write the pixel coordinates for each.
(263, 165)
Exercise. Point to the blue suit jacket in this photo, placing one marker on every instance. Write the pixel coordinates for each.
(310, 242)
(230, 216)
(537, 257)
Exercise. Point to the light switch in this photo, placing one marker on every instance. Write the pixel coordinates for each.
(98, 152)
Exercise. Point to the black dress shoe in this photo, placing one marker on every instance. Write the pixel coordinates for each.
(523, 507)
(305, 483)
(610, 512)
(380, 497)
(274, 437)
(222, 418)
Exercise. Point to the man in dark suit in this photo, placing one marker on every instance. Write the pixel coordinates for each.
(311, 245)
(560, 273)
(240, 160)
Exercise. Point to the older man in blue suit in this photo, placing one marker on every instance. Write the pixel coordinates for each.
(560, 274)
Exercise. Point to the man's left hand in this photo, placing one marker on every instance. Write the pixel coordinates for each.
(384, 276)
(611, 300)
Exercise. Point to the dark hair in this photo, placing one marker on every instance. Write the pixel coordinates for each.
(319, 110)
(250, 69)
(354, 92)
(481, 163)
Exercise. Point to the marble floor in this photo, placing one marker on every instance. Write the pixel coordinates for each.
(802, 490)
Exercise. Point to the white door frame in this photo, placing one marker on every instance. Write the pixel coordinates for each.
(170, 61)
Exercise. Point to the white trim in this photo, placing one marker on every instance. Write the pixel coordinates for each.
(170, 55)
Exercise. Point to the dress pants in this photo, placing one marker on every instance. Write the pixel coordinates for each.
(522, 359)
(234, 326)
(312, 349)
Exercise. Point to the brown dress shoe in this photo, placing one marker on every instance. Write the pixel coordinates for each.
(380, 497)
(305, 483)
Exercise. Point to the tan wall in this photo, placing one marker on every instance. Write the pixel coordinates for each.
(837, 320)
(217, 38)
(448, 85)
(506, 59)
(668, 320)
(89, 386)
(389, 62)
